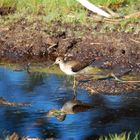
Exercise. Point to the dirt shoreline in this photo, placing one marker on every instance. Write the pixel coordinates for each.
(36, 42)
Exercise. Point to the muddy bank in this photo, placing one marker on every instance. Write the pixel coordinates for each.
(4, 102)
(37, 41)
(108, 87)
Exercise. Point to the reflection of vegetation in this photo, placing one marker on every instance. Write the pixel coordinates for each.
(34, 80)
(56, 70)
(38, 72)
(122, 136)
(51, 70)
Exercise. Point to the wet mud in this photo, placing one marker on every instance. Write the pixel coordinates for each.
(34, 41)
(27, 42)
(108, 87)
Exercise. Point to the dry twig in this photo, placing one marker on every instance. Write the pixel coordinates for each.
(134, 40)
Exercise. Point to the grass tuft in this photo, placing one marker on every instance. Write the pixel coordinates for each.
(64, 7)
(70, 11)
(122, 136)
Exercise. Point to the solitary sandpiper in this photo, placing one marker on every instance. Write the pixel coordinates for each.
(72, 68)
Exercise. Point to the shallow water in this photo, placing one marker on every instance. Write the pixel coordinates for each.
(110, 114)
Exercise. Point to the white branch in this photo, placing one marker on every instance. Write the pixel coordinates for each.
(94, 8)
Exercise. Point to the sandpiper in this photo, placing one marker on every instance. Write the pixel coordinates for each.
(72, 68)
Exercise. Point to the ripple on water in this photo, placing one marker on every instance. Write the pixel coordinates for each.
(110, 114)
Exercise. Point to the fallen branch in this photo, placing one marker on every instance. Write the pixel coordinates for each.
(134, 15)
(113, 14)
(134, 40)
(96, 43)
(94, 8)
(113, 19)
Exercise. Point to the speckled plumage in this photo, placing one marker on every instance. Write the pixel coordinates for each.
(71, 67)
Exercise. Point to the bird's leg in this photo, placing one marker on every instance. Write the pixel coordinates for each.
(74, 86)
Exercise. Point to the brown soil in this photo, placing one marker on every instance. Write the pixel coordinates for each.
(35, 41)
(107, 87)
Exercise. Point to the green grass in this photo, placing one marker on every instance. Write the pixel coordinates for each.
(122, 136)
(107, 2)
(63, 7)
(70, 11)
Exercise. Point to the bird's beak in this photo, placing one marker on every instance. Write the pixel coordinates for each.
(52, 64)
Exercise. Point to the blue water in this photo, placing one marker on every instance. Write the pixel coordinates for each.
(110, 114)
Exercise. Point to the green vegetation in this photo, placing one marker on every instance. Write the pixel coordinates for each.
(70, 11)
(68, 7)
(46, 69)
(122, 136)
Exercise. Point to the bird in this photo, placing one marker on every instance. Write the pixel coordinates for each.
(70, 107)
(73, 67)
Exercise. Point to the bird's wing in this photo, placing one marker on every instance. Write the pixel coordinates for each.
(77, 66)
(81, 107)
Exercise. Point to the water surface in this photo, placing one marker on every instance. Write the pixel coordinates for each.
(110, 114)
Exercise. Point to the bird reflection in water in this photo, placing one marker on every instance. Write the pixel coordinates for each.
(70, 107)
